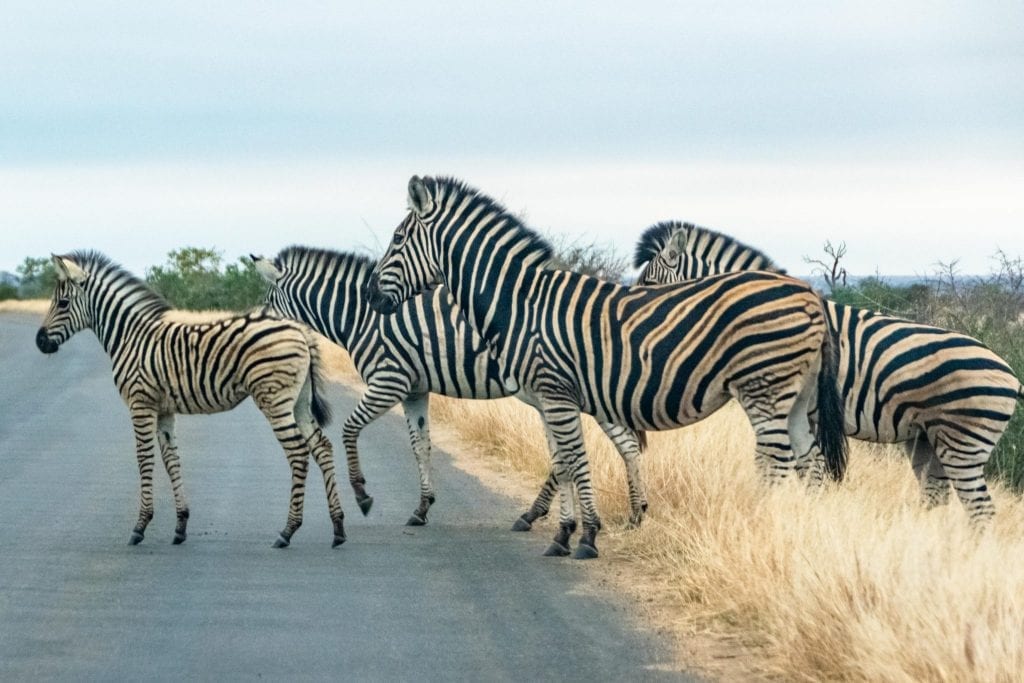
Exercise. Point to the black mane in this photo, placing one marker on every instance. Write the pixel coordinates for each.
(300, 253)
(447, 185)
(656, 237)
(100, 265)
(653, 241)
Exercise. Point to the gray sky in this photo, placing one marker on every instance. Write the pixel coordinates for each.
(897, 127)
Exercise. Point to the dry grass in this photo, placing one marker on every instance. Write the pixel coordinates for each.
(26, 306)
(858, 583)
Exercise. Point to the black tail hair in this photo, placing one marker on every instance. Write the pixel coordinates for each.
(321, 409)
(641, 437)
(831, 429)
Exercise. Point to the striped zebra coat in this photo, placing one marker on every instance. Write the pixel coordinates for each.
(944, 394)
(647, 358)
(163, 368)
(425, 347)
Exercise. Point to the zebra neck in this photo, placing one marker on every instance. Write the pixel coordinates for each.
(491, 285)
(123, 318)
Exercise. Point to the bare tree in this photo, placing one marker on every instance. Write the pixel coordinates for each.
(833, 273)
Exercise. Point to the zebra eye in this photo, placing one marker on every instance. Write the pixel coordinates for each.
(673, 255)
(63, 304)
(399, 237)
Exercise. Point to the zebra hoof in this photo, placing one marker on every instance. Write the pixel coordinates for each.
(338, 540)
(416, 520)
(135, 538)
(585, 552)
(522, 524)
(365, 504)
(556, 549)
(179, 538)
(281, 542)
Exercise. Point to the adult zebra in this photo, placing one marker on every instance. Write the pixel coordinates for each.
(425, 347)
(648, 358)
(946, 395)
(163, 368)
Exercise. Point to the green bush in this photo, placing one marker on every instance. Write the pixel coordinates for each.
(8, 291)
(195, 278)
(38, 278)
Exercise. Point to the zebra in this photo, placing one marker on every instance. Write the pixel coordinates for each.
(646, 358)
(425, 347)
(947, 396)
(163, 368)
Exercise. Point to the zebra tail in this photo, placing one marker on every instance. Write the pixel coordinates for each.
(321, 409)
(641, 438)
(831, 429)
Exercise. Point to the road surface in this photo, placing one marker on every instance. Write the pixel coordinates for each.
(460, 599)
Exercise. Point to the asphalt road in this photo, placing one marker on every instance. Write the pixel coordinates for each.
(460, 599)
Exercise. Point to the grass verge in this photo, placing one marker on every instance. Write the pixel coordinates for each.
(858, 583)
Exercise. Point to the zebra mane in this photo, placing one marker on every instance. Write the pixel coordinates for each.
(657, 236)
(449, 186)
(100, 265)
(653, 241)
(300, 254)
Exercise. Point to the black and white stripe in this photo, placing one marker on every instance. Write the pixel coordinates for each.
(944, 394)
(163, 368)
(424, 347)
(647, 358)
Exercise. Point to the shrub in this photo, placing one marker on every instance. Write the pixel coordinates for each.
(195, 278)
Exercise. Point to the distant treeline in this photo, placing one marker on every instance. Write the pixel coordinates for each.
(195, 278)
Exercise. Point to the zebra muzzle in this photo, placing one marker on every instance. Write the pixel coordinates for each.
(45, 344)
(378, 300)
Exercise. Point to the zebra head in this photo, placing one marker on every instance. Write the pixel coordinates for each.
(69, 310)
(672, 251)
(409, 265)
(664, 247)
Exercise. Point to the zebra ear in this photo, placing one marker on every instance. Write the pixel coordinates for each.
(420, 201)
(68, 269)
(270, 272)
(680, 238)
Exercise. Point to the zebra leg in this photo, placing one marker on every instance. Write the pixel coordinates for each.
(374, 402)
(144, 423)
(930, 474)
(628, 443)
(323, 454)
(320, 448)
(542, 504)
(966, 471)
(281, 416)
(768, 412)
(418, 418)
(809, 462)
(570, 458)
(169, 453)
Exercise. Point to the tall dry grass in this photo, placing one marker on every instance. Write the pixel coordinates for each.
(856, 583)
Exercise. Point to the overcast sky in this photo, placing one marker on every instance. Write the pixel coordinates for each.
(247, 126)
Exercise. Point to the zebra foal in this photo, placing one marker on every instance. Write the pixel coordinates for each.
(643, 357)
(425, 347)
(163, 368)
(947, 396)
